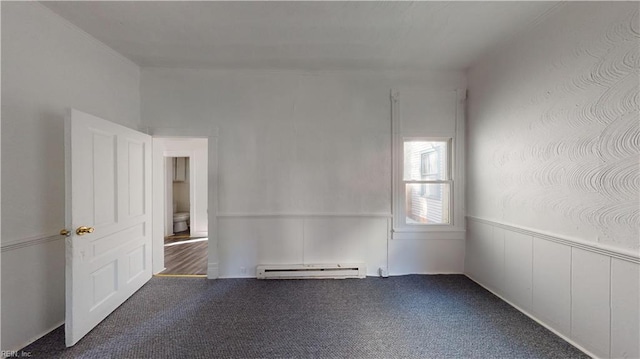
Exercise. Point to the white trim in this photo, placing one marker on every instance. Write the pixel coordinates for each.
(626, 255)
(388, 237)
(554, 331)
(396, 130)
(178, 132)
(249, 276)
(433, 228)
(28, 242)
(246, 276)
(428, 181)
(458, 162)
(303, 215)
(454, 234)
(432, 79)
(212, 271)
(426, 273)
(159, 155)
(37, 337)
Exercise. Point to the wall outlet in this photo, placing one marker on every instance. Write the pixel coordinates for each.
(243, 270)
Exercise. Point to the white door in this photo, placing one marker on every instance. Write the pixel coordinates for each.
(108, 249)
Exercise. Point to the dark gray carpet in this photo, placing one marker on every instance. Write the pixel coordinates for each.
(446, 316)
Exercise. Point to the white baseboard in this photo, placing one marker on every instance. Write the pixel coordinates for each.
(564, 337)
(237, 277)
(368, 275)
(423, 273)
(36, 337)
(212, 271)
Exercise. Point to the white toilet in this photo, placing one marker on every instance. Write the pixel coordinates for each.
(180, 222)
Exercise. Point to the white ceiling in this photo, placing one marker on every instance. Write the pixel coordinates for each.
(303, 35)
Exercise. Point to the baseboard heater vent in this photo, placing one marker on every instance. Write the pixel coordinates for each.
(311, 271)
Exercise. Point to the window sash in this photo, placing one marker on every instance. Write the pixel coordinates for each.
(436, 211)
(428, 181)
(447, 179)
(448, 153)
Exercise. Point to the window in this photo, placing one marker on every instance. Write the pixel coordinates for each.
(427, 157)
(427, 181)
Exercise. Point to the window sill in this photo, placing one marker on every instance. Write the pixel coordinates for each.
(418, 228)
(444, 232)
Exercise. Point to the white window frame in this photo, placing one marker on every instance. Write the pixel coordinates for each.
(401, 193)
(455, 159)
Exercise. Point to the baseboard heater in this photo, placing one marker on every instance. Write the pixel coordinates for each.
(311, 271)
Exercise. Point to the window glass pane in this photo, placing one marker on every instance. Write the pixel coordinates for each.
(425, 160)
(427, 203)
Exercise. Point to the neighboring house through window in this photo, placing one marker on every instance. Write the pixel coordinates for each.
(427, 181)
(430, 165)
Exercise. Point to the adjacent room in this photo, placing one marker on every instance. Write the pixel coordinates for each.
(181, 169)
(471, 170)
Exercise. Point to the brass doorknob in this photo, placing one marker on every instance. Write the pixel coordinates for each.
(81, 231)
(64, 232)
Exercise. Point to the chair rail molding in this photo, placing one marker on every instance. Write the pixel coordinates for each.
(11, 245)
(623, 254)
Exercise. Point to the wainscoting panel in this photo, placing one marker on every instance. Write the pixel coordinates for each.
(477, 256)
(245, 242)
(625, 306)
(590, 285)
(589, 295)
(35, 305)
(346, 240)
(426, 256)
(518, 269)
(495, 267)
(552, 283)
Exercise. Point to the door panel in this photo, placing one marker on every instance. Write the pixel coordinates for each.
(109, 189)
(135, 186)
(103, 178)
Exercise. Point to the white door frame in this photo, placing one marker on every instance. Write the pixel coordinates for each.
(168, 197)
(159, 156)
(194, 206)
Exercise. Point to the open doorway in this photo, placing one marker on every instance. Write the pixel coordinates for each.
(177, 198)
(185, 251)
(184, 240)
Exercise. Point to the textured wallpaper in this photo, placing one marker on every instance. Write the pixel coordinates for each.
(553, 127)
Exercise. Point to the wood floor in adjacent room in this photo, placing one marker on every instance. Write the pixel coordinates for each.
(184, 255)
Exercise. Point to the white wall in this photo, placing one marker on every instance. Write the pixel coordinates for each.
(553, 127)
(47, 66)
(1, 193)
(304, 163)
(553, 145)
(181, 196)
